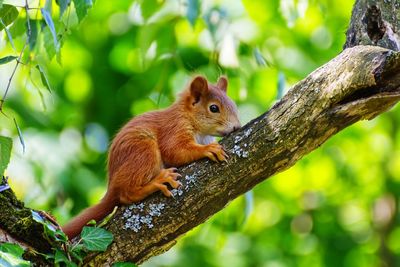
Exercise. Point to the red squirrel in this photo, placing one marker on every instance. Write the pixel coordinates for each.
(145, 152)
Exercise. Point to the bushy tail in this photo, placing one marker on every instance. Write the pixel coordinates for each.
(96, 212)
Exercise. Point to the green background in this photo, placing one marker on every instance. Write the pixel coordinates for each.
(338, 206)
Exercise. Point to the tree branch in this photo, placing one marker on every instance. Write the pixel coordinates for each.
(18, 226)
(360, 83)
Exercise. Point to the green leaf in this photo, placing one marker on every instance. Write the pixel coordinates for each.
(36, 216)
(49, 21)
(60, 257)
(5, 153)
(39, 92)
(96, 239)
(82, 7)
(48, 43)
(58, 56)
(71, 264)
(193, 11)
(12, 248)
(10, 260)
(50, 229)
(91, 223)
(8, 14)
(63, 4)
(43, 77)
(60, 236)
(77, 252)
(21, 139)
(9, 36)
(34, 33)
(41, 98)
(261, 61)
(249, 205)
(18, 27)
(1, 3)
(124, 264)
(281, 85)
(7, 59)
(11, 255)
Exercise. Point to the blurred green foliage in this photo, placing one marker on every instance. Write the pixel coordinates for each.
(337, 207)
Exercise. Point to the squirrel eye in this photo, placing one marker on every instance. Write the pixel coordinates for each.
(214, 108)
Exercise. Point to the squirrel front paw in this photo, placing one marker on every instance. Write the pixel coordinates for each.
(215, 152)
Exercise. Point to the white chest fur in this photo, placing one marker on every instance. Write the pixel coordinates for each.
(204, 139)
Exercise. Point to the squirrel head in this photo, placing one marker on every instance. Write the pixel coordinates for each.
(212, 111)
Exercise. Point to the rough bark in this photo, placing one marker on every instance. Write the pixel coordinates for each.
(360, 83)
(18, 226)
(375, 22)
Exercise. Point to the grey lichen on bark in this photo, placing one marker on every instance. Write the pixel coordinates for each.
(375, 22)
(360, 83)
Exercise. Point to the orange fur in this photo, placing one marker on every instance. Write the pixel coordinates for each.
(145, 150)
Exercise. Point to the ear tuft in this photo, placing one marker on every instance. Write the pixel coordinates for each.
(198, 87)
(222, 83)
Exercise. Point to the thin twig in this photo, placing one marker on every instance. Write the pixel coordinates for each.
(30, 8)
(10, 79)
(18, 59)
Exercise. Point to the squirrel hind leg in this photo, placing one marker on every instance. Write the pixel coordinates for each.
(141, 172)
(158, 183)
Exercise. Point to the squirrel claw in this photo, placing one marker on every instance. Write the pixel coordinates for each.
(163, 188)
(215, 152)
(167, 176)
(226, 156)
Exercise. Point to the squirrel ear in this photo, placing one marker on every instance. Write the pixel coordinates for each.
(198, 87)
(222, 83)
